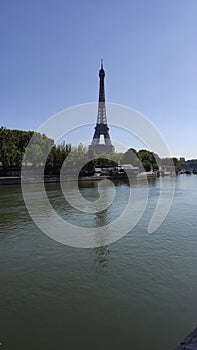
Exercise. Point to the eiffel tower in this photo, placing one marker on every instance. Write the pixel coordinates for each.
(101, 127)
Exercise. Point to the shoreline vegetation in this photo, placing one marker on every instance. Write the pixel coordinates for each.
(15, 155)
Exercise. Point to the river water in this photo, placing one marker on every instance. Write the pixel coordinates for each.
(137, 293)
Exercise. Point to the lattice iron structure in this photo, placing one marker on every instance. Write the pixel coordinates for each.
(101, 127)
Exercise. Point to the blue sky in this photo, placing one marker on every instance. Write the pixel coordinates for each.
(51, 51)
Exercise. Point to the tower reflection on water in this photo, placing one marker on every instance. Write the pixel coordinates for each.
(102, 251)
(102, 218)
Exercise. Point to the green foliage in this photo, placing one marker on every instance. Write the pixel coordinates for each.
(103, 161)
(12, 147)
(143, 159)
(38, 149)
(148, 159)
(170, 162)
(130, 157)
(13, 144)
(56, 158)
(176, 161)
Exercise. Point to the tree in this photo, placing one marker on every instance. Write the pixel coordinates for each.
(56, 158)
(130, 157)
(13, 144)
(148, 159)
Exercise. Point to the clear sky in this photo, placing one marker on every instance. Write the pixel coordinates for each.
(51, 51)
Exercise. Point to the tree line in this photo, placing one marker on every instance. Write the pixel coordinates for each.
(13, 145)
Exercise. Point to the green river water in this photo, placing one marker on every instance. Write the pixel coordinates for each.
(138, 293)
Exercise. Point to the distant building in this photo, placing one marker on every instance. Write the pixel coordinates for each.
(190, 164)
(182, 160)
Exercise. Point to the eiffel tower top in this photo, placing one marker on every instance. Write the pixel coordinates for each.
(102, 88)
(101, 72)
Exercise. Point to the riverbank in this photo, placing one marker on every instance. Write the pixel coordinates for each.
(10, 180)
(16, 180)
